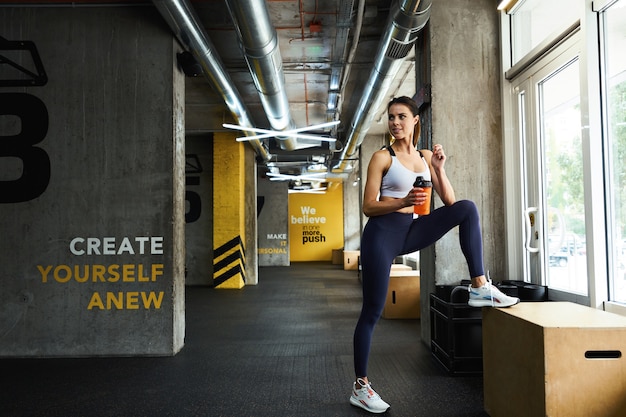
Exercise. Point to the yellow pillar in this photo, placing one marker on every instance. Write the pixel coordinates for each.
(229, 261)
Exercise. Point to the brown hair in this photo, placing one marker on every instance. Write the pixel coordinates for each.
(412, 105)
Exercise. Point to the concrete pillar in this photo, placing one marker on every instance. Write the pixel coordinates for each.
(273, 224)
(464, 42)
(229, 232)
(353, 218)
(250, 220)
(92, 186)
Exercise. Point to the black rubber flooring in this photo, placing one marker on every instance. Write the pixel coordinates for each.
(281, 348)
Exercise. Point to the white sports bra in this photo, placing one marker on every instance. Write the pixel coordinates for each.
(398, 180)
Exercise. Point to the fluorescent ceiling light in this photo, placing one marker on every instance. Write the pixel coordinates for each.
(266, 133)
(311, 191)
(506, 5)
(284, 177)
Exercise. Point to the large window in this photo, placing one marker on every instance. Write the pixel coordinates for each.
(551, 185)
(562, 180)
(614, 68)
(534, 21)
(564, 116)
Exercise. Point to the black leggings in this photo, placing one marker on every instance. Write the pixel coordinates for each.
(390, 235)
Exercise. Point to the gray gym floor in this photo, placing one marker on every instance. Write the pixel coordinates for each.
(281, 348)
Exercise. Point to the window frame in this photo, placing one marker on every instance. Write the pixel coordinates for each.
(587, 27)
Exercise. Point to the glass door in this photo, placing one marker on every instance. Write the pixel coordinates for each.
(547, 105)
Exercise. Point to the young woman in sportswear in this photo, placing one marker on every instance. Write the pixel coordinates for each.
(392, 230)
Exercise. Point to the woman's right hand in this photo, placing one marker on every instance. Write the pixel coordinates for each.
(415, 197)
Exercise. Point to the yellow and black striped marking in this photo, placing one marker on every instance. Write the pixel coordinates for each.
(229, 265)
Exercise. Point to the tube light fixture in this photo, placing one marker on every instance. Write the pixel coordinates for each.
(507, 5)
(266, 133)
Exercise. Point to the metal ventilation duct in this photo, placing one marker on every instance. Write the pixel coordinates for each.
(406, 20)
(259, 44)
(183, 21)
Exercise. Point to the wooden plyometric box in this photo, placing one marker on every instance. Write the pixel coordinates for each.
(403, 295)
(554, 359)
(400, 267)
(351, 260)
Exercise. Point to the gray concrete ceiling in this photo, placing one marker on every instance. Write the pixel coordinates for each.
(309, 34)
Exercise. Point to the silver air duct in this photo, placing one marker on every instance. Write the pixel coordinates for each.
(406, 19)
(259, 44)
(183, 21)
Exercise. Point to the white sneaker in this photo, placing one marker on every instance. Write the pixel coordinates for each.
(366, 398)
(489, 296)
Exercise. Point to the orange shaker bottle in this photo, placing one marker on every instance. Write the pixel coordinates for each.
(424, 208)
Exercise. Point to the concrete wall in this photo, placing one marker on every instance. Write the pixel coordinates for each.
(92, 185)
(352, 196)
(273, 224)
(199, 210)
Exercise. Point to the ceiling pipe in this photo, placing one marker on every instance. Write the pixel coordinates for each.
(184, 22)
(406, 20)
(339, 67)
(350, 59)
(259, 44)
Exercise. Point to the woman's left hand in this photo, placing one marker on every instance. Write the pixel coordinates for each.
(439, 157)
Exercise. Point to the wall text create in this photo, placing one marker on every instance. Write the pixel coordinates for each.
(112, 273)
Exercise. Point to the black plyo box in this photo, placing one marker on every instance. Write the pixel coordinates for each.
(456, 336)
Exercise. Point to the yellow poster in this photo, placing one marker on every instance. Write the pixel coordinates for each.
(316, 224)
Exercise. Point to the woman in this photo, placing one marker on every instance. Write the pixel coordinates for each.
(392, 230)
